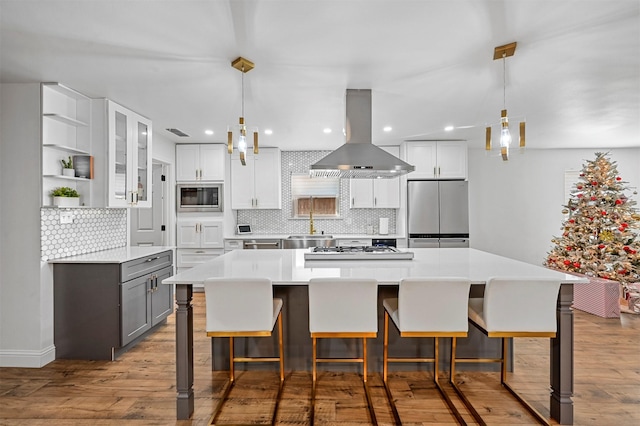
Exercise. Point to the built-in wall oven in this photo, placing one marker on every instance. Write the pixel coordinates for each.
(199, 197)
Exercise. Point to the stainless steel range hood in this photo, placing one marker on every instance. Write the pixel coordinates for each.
(359, 158)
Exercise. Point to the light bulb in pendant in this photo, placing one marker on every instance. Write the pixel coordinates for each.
(242, 143)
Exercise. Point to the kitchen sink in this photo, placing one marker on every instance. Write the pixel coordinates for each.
(308, 240)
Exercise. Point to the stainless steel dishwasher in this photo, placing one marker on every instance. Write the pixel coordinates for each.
(260, 244)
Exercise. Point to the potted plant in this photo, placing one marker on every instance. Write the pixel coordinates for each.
(65, 197)
(67, 167)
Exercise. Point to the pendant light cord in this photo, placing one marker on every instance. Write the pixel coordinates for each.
(243, 91)
(504, 81)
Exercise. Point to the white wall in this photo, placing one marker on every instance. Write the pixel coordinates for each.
(515, 206)
(26, 303)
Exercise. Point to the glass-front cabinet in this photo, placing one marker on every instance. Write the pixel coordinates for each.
(129, 153)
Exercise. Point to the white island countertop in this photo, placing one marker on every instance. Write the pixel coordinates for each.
(290, 268)
(116, 255)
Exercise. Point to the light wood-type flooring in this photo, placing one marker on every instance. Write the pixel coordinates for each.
(139, 387)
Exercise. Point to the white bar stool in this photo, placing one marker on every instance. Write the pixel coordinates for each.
(427, 307)
(343, 308)
(512, 307)
(243, 307)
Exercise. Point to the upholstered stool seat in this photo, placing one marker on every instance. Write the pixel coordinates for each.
(343, 308)
(243, 307)
(427, 307)
(513, 307)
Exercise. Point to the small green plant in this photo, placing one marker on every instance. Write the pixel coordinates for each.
(67, 164)
(64, 191)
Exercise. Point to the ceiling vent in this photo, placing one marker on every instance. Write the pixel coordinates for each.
(178, 133)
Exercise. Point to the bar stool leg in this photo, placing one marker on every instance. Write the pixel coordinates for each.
(372, 412)
(436, 377)
(385, 369)
(452, 382)
(313, 386)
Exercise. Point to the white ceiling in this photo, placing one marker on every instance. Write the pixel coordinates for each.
(575, 76)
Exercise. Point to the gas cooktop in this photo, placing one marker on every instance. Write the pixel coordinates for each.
(379, 252)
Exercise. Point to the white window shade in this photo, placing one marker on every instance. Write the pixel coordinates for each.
(304, 186)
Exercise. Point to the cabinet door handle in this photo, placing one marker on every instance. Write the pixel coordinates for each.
(375, 201)
(353, 201)
(434, 171)
(150, 281)
(151, 259)
(438, 171)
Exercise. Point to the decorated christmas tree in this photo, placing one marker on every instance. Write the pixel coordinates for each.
(600, 234)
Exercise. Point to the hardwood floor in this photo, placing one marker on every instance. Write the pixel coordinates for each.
(139, 388)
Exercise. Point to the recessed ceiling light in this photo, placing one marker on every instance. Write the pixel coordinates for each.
(448, 128)
(268, 131)
(327, 130)
(208, 132)
(387, 128)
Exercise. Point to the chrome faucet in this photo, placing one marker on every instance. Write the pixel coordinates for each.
(312, 230)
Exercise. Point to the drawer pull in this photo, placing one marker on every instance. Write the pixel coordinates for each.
(153, 258)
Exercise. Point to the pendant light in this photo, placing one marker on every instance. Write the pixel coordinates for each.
(243, 65)
(502, 52)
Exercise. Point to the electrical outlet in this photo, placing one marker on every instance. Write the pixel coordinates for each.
(66, 217)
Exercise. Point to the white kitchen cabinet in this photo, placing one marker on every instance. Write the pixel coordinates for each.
(376, 193)
(66, 124)
(437, 159)
(126, 140)
(200, 162)
(200, 233)
(256, 185)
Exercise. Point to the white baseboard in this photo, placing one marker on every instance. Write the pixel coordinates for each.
(27, 358)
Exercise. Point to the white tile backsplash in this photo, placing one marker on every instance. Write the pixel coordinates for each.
(91, 230)
(351, 221)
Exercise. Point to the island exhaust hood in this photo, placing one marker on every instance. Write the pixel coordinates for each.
(359, 158)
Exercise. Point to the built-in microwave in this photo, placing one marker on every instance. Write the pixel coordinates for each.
(199, 197)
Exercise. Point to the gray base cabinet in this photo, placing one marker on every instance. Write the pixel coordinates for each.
(103, 309)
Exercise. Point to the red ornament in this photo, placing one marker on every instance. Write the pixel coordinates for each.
(579, 195)
(569, 248)
(591, 219)
(593, 198)
(624, 224)
(622, 271)
(626, 248)
(604, 213)
(579, 186)
(601, 246)
(618, 178)
(572, 221)
(581, 174)
(618, 202)
(566, 262)
(632, 251)
(606, 277)
(576, 264)
(594, 183)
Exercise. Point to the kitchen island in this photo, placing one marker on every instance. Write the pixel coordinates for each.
(288, 268)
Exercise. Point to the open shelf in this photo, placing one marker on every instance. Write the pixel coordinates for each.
(64, 119)
(66, 91)
(65, 148)
(67, 178)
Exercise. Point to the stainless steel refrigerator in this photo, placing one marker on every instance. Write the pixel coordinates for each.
(438, 213)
